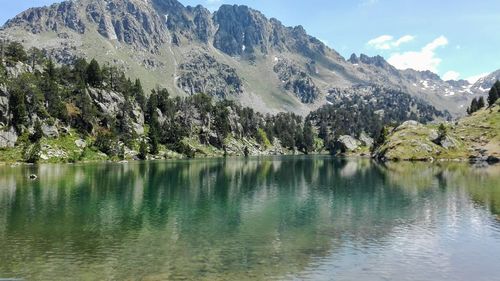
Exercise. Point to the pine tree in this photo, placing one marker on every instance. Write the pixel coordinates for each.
(38, 133)
(480, 103)
(442, 133)
(381, 138)
(308, 137)
(106, 143)
(87, 110)
(36, 57)
(55, 106)
(143, 150)
(94, 75)
(80, 71)
(221, 121)
(154, 140)
(18, 109)
(15, 52)
(494, 93)
(474, 106)
(32, 152)
(139, 94)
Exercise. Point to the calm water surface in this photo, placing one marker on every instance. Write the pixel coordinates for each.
(286, 218)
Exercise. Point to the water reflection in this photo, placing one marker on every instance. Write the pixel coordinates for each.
(269, 218)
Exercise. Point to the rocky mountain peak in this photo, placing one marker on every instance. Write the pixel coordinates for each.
(377, 61)
(51, 18)
(133, 22)
(241, 30)
(234, 52)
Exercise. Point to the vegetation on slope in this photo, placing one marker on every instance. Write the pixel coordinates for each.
(476, 137)
(86, 111)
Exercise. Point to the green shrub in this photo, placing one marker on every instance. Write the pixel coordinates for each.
(262, 138)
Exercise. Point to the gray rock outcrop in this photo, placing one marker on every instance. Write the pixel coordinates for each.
(296, 80)
(348, 143)
(201, 73)
(50, 131)
(8, 138)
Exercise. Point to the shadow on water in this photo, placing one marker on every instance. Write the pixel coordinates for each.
(220, 218)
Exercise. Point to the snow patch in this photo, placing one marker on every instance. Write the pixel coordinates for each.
(483, 89)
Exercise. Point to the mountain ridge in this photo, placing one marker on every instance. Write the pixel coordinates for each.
(156, 40)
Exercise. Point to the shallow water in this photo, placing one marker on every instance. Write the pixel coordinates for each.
(283, 218)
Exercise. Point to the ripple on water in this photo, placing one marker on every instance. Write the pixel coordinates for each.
(299, 219)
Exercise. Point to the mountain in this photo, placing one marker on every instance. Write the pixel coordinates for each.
(234, 53)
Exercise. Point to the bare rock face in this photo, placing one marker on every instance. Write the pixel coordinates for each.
(449, 142)
(411, 124)
(296, 80)
(37, 20)
(135, 23)
(107, 101)
(50, 130)
(349, 143)
(201, 73)
(153, 34)
(366, 140)
(4, 105)
(8, 138)
(241, 30)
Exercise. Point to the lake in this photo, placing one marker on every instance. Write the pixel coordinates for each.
(274, 218)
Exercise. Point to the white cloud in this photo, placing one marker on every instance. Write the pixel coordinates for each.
(387, 42)
(473, 79)
(451, 75)
(404, 39)
(425, 59)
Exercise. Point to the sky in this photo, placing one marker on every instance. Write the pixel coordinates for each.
(456, 39)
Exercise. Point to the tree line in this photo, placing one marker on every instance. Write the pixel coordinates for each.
(62, 93)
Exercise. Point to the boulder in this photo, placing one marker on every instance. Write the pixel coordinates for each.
(349, 143)
(18, 69)
(65, 130)
(448, 142)
(108, 102)
(433, 135)
(50, 131)
(408, 124)
(138, 128)
(8, 138)
(366, 140)
(81, 143)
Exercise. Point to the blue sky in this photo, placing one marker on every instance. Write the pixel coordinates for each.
(456, 39)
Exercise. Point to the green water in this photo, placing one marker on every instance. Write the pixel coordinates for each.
(286, 218)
